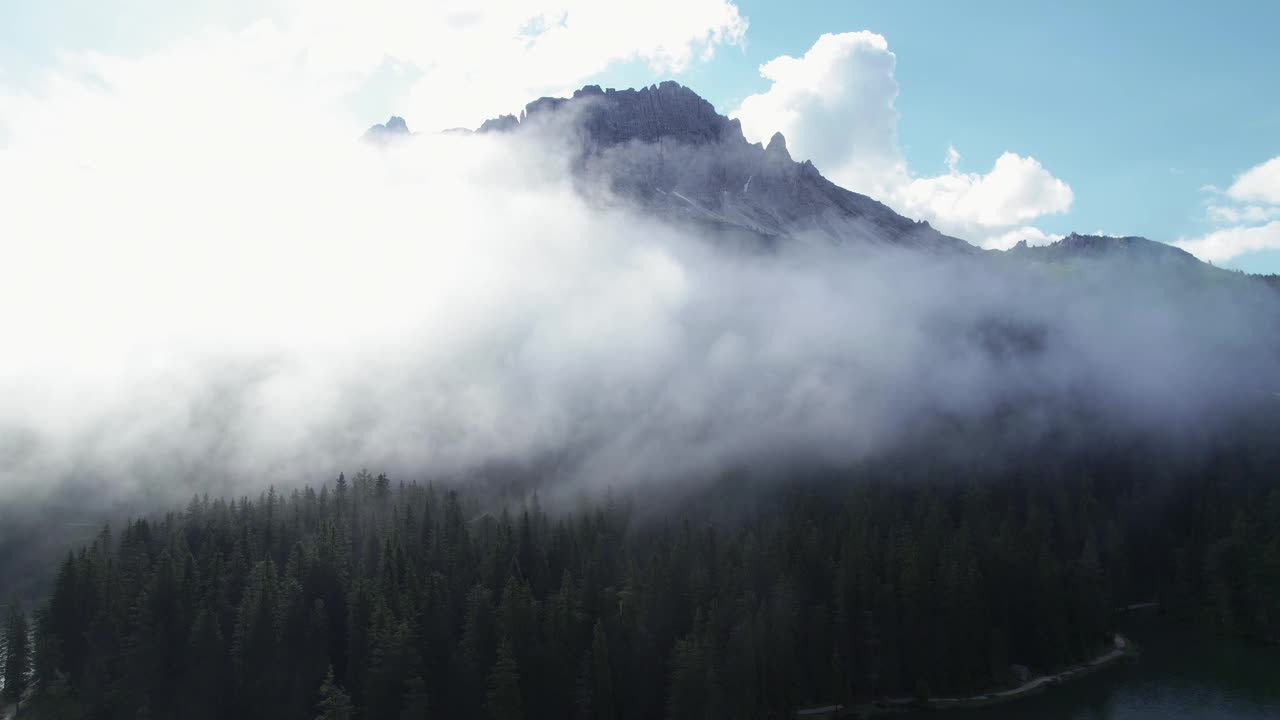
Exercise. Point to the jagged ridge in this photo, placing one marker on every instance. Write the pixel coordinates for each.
(667, 148)
(383, 133)
(1076, 245)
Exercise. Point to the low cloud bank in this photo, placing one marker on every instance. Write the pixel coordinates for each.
(218, 306)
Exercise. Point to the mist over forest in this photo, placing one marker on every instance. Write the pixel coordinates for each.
(602, 411)
(451, 303)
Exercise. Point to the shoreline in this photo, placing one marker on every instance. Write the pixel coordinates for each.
(1123, 648)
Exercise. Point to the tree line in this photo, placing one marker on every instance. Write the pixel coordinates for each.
(373, 599)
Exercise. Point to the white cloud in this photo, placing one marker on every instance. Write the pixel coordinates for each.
(440, 63)
(1221, 246)
(1016, 190)
(835, 105)
(449, 63)
(1243, 214)
(1260, 183)
(479, 59)
(1249, 208)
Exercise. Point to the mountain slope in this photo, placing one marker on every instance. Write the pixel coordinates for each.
(666, 149)
(1130, 253)
(1131, 248)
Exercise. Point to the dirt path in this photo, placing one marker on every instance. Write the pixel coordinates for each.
(1122, 648)
(1102, 659)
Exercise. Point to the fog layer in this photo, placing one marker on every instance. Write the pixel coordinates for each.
(224, 311)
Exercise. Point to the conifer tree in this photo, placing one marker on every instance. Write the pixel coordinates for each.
(334, 704)
(602, 704)
(502, 698)
(16, 653)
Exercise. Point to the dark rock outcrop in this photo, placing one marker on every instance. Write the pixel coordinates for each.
(665, 112)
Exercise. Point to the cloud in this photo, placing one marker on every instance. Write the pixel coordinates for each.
(1248, 207)
(1243, 214)
(445, 63)
(209, 284)
(472, 60)
(1221, 246)
(835, 105)
(1016, 190)
(1260, 183)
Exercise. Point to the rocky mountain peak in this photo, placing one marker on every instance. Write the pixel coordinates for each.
(1130, 250)
(668, 111)
(666, 149)
(393, 129)
(502, 123)
(777, 147)
(1134, 246)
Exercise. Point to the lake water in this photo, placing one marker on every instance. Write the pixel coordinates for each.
(1175, 677)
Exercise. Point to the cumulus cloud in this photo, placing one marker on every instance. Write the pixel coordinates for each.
(1221, 246)
(1016, 190)
(464, 61)
(1260, 183)
(1248, 208)
(835, 105)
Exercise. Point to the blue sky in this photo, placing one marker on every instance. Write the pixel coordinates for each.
(1137, 105)
(1147, 112)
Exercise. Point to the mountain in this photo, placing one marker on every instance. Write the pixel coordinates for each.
(381, 134)
(1130, 248)
(1131, 253)
(666, 149)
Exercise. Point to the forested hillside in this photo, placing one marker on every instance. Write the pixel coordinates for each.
(377, 599)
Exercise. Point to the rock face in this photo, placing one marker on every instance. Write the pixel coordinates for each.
(667, 149)
(502, 123)
(669, 112)
(394, 129)
(777, 147)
